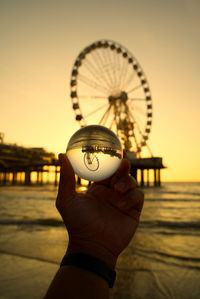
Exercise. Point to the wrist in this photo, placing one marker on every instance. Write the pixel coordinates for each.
(90, 264)
(93, 250)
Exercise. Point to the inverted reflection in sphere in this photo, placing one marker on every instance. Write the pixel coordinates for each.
(94, 152)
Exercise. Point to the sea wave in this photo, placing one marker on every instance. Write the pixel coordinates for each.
(172, 199)
(181, 192)
(170, 224)
(178, 261)
(167, 255)
(43, 222)
(27, 257)
(143, 224)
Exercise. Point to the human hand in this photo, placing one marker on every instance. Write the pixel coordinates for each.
(102, 221)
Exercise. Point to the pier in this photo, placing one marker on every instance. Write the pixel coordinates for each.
(18, 164)
(143, 166)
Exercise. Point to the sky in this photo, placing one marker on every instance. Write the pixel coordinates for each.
(40, 41)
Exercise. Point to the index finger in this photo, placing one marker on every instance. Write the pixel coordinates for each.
(67, 180)
(123, 169)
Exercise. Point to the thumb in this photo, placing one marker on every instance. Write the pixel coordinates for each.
(67, 180)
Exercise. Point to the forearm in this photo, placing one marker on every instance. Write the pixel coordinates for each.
(73, 283)
(99, 228)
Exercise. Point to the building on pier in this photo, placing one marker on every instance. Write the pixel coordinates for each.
(17, 163)
(145, 165)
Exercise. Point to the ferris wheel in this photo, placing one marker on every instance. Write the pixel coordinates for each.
(110, 88)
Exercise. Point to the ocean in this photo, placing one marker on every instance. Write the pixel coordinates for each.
(161, 261)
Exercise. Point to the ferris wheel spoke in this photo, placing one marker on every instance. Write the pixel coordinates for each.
(124, 76)
(134, 88)
(95, 72)
(112, 87)
(100, 63)
(136, 141)
(139, 136)
(137, 99)
(139, 118)
(90, 68)
(137, 125)
(137, 121)
(104, 115)
(107, 65)
(92, 97)
(114, 70)
(117, 119)
(131, 77)
(116, 127)
(96, 110)
(108, 68)
(118, 68)
(121, 74)
(92, 84)
(124, 72)
(113, 67)
(139, 113)
(111, 124)
(139, 110)
(134, 135)
(149, 150)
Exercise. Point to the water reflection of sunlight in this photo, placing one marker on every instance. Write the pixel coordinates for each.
(81, 188)
(84, 182)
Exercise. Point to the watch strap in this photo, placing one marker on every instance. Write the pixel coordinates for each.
(91, 264)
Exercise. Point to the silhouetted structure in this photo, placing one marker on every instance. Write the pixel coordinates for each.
(145, 165)
(114, 75)
(17, 163)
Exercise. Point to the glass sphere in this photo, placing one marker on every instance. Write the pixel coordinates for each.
(94, 152)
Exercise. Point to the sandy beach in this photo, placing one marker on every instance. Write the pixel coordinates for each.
(162, 261)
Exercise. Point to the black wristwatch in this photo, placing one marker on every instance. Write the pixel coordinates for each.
(91, 264)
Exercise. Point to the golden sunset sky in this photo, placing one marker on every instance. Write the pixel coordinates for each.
(40, 41)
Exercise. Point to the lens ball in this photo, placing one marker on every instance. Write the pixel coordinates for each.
(94, 152)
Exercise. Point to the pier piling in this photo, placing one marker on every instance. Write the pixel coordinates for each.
(17, 165)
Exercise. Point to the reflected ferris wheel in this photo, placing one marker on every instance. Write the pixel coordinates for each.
(110, 88)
